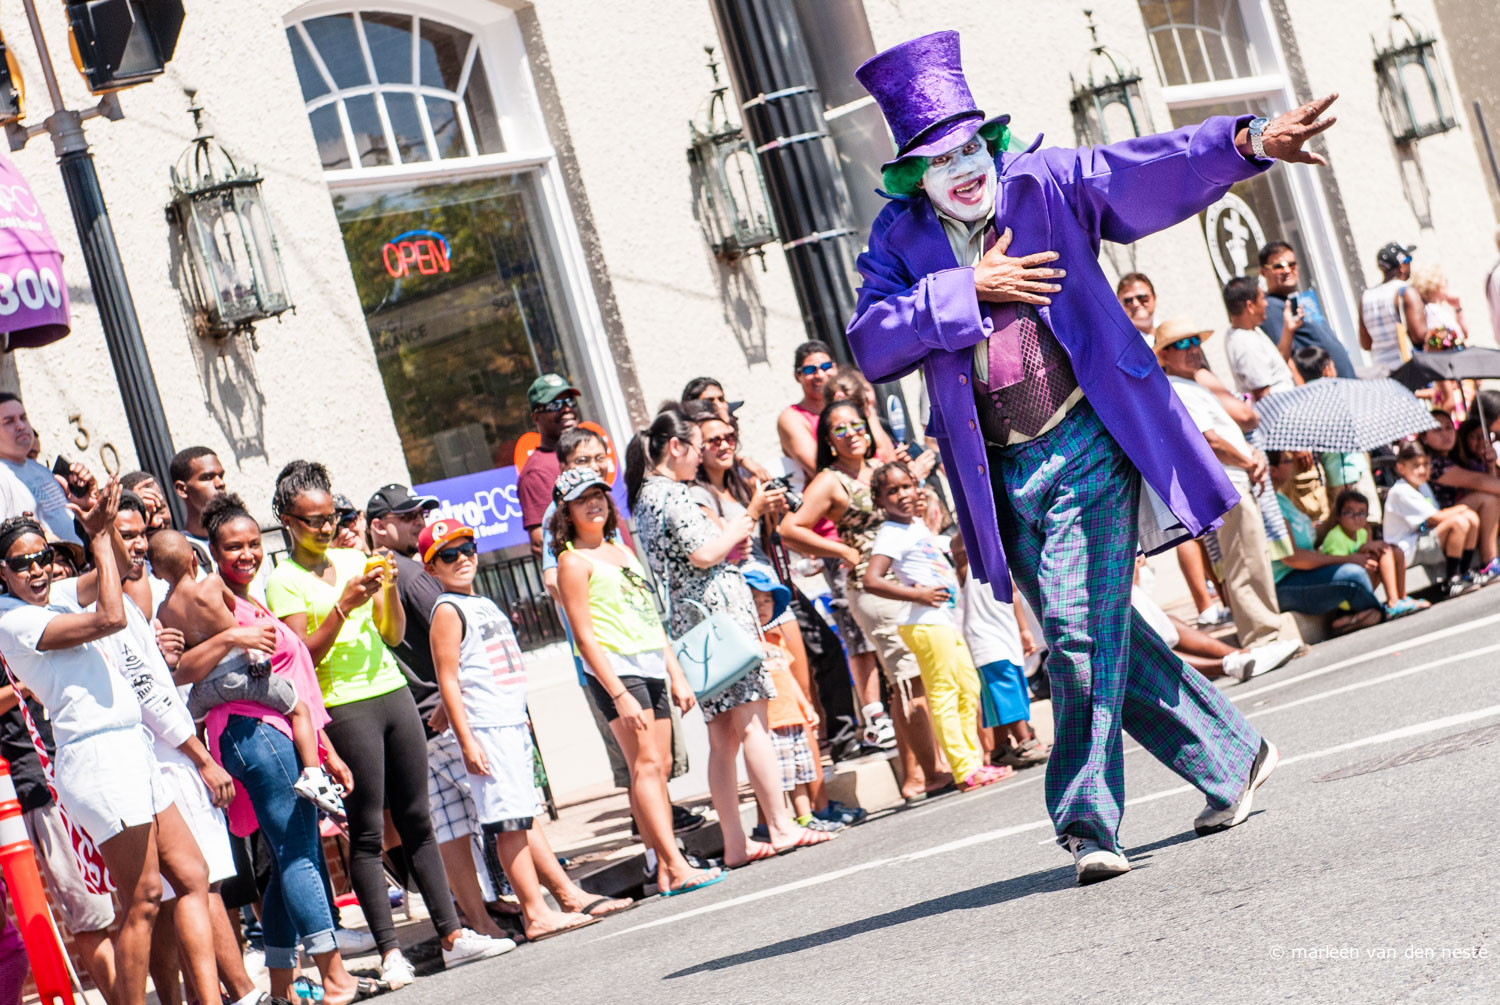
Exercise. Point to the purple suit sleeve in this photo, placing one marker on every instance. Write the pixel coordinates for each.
(1124, 191)
(898, 322)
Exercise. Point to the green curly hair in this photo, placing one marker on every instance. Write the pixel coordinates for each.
(903, 178)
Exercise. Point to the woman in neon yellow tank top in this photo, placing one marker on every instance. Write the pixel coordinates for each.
(348, 616)
(632, 673)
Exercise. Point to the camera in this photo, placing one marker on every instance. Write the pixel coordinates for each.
(793, 497)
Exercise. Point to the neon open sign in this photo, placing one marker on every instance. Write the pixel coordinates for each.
(422, 251)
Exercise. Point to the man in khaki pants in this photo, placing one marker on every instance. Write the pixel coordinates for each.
(1224, 419)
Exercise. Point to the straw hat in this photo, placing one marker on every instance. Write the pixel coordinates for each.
(1175, 329)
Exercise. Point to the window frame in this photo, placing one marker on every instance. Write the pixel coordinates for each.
(497, 40)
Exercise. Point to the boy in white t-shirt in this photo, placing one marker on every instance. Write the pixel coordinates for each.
(482, 680)
(926, 581)
(1414, 523)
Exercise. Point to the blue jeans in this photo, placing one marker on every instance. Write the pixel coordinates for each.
(262, 759)
(1318, 591)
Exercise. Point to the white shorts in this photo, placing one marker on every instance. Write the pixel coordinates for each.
(508, 793)
(110, 781)
(202, 817)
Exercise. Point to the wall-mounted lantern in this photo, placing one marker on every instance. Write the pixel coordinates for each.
(1414, 93)
(736, 207)
(235, 269)
(1107, 103)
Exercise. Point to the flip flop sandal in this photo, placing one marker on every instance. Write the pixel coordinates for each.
(763, 852)
(806, 840)
(709, 879)
(589, 908)
(564, 930)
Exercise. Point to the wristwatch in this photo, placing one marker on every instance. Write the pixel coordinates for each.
(1257, 139)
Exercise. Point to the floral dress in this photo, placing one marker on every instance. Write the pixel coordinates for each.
(671, 526)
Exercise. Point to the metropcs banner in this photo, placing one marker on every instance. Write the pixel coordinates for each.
(489, 502)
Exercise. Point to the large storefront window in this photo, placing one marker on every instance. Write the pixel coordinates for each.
(455, 289)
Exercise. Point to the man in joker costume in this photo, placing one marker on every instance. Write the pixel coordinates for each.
(1063, 441)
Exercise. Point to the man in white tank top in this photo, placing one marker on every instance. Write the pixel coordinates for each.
(1384, 308)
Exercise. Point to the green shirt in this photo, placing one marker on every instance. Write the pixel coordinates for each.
(1304, 534)
(1336, 542)
(358, 665)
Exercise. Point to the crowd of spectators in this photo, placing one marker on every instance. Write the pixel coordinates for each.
(179, 712)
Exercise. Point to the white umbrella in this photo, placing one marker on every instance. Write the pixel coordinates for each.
(1340, 415)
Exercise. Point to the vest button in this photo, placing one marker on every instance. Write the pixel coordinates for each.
(981, 469)
(962, 379)
(971, 424)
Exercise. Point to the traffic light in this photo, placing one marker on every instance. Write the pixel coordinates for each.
(119, 43)
(12, 87)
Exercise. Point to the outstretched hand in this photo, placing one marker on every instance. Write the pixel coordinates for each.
(1286, 134)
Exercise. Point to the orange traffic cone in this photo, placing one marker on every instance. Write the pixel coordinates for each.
(18, 860)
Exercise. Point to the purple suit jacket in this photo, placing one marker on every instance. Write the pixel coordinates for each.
(918, 308)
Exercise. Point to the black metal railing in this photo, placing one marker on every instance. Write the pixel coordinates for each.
(516, 585)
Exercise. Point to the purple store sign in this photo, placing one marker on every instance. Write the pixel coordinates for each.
(488, 502)
(33, 295)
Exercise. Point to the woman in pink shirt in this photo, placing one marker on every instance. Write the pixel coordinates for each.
(254, 744)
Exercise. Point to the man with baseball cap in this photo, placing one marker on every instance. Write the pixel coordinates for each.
(1392, 317)
(397, 520)
(554, 411)
(1244, 550)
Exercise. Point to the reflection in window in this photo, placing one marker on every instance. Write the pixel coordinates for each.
(1197, 41)
(430, 99)
(453, 279)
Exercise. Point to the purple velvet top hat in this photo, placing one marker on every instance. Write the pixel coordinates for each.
(920, 87)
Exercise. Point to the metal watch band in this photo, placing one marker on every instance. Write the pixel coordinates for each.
(1257, 137)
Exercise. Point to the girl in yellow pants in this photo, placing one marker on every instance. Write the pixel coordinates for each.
(925, 580)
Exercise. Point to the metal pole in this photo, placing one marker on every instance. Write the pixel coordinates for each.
(1484, 134)
(783, 115)
(111, 288)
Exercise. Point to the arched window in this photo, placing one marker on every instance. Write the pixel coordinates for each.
(1197, 41)
(385, 88)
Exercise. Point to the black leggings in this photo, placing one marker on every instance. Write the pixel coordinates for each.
(382, 741)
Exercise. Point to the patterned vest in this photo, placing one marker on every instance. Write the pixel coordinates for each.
(1032, 371)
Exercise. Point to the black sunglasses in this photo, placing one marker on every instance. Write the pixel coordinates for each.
(23, 562)
(317, 521)
(812, 368)
(558, 404)
(450, 555)
(348, 519)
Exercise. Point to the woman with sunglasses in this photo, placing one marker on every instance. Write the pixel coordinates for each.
(813, 366)
(869, 625)
(690, 553)
(345, 607)
(632, 672)
(105, 770)
(254, 744)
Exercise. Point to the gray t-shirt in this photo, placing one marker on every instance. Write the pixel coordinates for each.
(51, 501)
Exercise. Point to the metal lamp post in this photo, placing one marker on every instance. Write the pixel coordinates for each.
(101, 255)
(1414, 92)
(734, 191)
(1108, 87)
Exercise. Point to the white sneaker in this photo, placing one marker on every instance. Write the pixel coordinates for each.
(315, 786)
(396, 970)
(1211, 821)
(1214, 615)
(881, 732)
(1093, 862)
(1240, 665)
(1274, 654)
(353, 943)
(471, 946)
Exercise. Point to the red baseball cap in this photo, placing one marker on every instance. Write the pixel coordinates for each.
(439, 533)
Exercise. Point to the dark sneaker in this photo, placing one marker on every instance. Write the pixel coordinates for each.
(1211, 821)
(1026, 754)
(837, 812)
(685, 821)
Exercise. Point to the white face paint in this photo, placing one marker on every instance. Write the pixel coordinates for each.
(961, 182)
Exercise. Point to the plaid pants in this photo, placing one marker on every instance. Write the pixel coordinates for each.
(1067, 511)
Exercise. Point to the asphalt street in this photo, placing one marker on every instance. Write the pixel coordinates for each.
(1366, 874)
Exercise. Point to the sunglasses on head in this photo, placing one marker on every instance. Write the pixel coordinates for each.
(467, 549)
(722, 440)
(847, 429)
(21, 563)
(811, 368)
(1191, 342)
(634, 578)
(557, 404)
